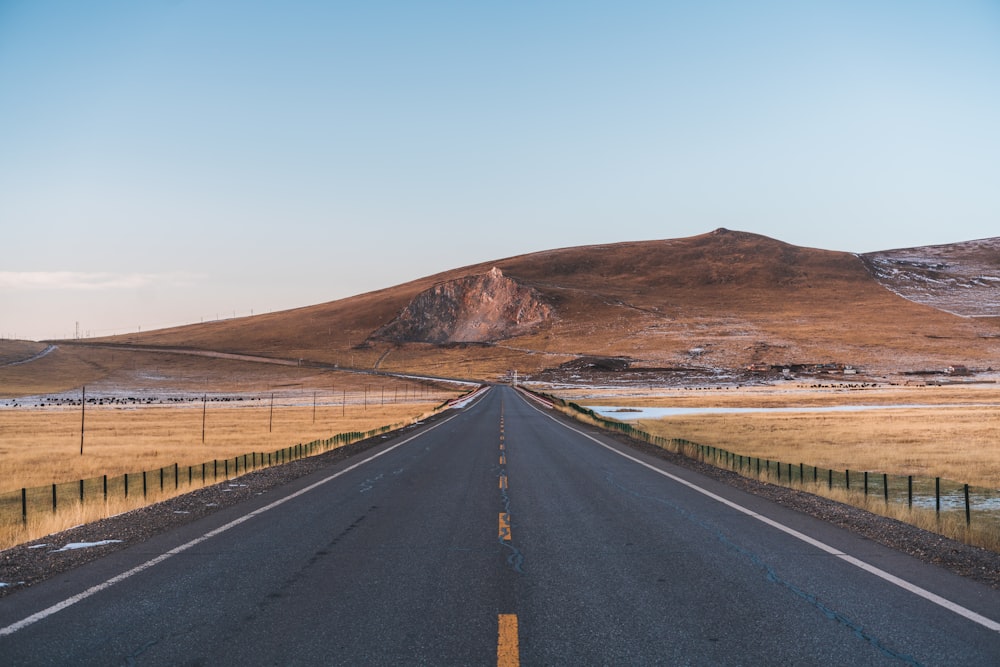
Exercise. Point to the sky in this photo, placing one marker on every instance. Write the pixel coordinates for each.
(169, 162)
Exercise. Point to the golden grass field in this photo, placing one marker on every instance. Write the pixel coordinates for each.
(41, 446)
(958, 439)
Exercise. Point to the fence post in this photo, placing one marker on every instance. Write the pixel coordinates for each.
(847, 479)
(126, 485)
(885, 487)
(968, 511)
(937, 495)
(53, 497)
(105, 488)
(176, 475)
(24, 505)
(866, 483)
(81, 491)
(144, 485)
(909, 491)
(829, 474)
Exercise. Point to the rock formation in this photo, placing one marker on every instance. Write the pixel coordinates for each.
(475, 309)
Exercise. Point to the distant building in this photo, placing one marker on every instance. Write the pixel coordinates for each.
(957, 369)
(759, 368)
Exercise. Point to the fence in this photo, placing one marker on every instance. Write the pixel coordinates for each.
(950, 500)
(18, 506)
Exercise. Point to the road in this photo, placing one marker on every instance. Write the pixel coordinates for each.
(499, 534)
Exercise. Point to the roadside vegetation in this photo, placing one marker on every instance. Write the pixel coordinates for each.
(41, 446)
(958, 439)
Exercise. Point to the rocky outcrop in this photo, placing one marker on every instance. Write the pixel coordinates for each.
(474, 309)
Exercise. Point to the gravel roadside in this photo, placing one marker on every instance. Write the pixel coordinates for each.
(28, 564)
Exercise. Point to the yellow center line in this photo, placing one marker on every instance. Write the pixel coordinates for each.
(503, 482)
(508, 652)
(503, 460)
(504, 527)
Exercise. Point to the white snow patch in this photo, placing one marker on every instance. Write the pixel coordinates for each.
(85, 545)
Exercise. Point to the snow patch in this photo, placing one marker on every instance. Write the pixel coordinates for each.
(72, 546)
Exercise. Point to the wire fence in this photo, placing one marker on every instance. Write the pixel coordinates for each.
(17, 507)
(950, 500)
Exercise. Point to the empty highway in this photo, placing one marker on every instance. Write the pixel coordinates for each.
(504, 534)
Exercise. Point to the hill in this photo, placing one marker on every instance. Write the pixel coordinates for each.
(708, 305)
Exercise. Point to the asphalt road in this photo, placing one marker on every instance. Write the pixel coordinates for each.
(498, 534)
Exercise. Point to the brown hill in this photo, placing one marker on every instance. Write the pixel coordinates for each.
(721, 300)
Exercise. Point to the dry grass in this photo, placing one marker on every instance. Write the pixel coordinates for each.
(982, 531)
(41, 446)
(960, 444)
(957, 440)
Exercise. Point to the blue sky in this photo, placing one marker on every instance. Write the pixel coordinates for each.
(167, 162)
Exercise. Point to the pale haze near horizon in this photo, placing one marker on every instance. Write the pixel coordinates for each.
(164, 163)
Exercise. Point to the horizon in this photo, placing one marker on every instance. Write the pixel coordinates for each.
(177, 162)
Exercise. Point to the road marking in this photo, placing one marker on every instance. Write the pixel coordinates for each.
(508, 652)
(988, 623)
(503, 482)
(79, 597)
(504, 527)
(503, 459)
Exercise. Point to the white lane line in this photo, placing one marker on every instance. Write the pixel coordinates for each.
(70, 601)
(988, 623)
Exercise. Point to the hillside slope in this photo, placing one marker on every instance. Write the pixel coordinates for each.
(960, 278)
(724, 300)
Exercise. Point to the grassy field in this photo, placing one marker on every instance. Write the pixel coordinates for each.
(961, 444)
(41, 446)
(958, 438)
